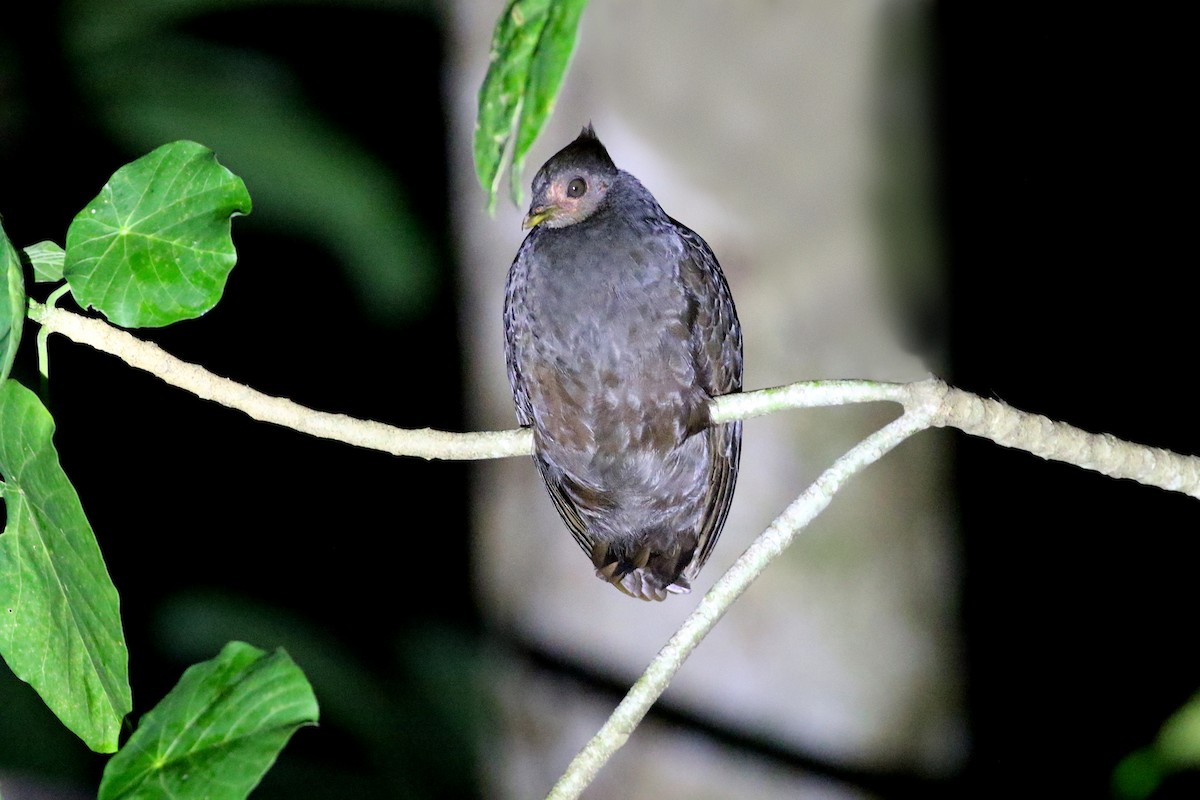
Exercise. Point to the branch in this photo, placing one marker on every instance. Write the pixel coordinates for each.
(1059, 441)
(422, 443)
(929, 403)
(990, 419)
(949, 407)
(773, 541)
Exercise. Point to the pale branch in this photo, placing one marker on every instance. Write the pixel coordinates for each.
(989, 419)
(806, 394)
(770, 543)
(949, 407)
(422, 443)
(929, 403)
(1059, 441)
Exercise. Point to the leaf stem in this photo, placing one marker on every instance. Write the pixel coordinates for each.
(43, 334)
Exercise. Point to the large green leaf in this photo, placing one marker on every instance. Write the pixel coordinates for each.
(217, 732)
(531, 47)
(154, 247)
(12, 304)
(60, 622)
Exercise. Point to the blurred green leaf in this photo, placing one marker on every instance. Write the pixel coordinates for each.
(47, 259)
(12, 304)
(1138, 775)
(1176, 748)
(198, 622)
(151, 83)
(35, 742)
(1179, 740)
(60, 622)
(531, 47)
(217, 732)
(154, 247)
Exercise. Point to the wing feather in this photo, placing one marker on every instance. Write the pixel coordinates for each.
(717, 353)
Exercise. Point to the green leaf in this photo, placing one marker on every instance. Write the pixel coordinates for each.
(60, 622)
(47, 259)
(154, 247)
(531, 47)
(12, 304)
(217, 732)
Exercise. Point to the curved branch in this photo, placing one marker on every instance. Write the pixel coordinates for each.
(948, 407)
(422, 443)
(929, 403)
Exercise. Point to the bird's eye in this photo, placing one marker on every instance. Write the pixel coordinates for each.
(576, 187)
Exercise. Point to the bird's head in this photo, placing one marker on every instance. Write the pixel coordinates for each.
(572, 184)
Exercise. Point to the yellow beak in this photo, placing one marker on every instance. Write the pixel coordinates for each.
(538, 215)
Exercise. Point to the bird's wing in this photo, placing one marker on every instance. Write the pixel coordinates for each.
(716, 333)
(717, 355)
(515, 328)
(566, 494)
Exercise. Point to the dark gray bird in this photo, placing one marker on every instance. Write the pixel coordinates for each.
(619, 327)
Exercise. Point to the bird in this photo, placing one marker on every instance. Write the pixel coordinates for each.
(619, 330)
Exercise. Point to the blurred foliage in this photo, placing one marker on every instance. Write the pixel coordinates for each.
(33, 739)
(414, 721)
(1175, 750)
(151, 80)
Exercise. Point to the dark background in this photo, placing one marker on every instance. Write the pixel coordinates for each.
(1067, 150)
(1067, 174)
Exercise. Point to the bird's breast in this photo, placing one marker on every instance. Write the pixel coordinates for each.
(609, 353)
